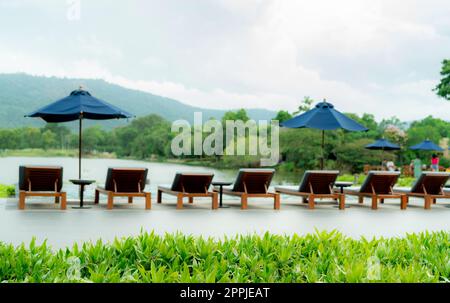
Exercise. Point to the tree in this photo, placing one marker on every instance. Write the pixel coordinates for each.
(48, 139)
(233, 116)
(282, 116)
(62, 133)
(352, 156)
(145, 137)
(31, 138)
(395, 134)
(367, 120)
(301, 147)
(428, 128)
(393, 121)
(237, 115)
(443, 88)
(304, 106)
(93, 138)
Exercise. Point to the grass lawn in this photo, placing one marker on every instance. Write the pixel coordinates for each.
(319, 257)
(39, 152)
(402, 181)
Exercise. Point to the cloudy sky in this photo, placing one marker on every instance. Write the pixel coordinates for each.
(375, 56)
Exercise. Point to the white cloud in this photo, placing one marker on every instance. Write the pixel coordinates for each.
(91, 45)
(363, 56)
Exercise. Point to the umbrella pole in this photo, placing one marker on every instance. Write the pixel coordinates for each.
(79, 148)
(323, 146)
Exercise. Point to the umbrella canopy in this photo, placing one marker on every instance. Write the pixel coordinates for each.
(427, 145)
(79, 105)
(382, 144)
(324, 117)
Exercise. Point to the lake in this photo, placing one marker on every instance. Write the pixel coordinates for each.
(95, 169)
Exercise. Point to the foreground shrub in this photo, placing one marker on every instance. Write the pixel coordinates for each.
(7, 190)
(320, 257)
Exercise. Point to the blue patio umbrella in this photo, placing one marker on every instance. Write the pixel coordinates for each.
(324, 117)
(382, 144)
(427, 145)
(79, 105)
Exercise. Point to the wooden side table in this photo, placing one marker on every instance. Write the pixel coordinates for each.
(221, 185)
(82, 183)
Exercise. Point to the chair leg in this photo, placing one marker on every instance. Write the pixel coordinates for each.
(22, 199)
(130, 200)
(374, 202)
(427, 202)
(97, 197)
(434, 201)
(311, 202)
(110, 200)
(360, 199)
(159, 197)
(215, 200)
(191, 200)
(341, 201)
(276, 201)
(179, 201)
(382, 201)
(56, 199)
(403, 201)
(63, 201)
(244, 201)
(148, 201)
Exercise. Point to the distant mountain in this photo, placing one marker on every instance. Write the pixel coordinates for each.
(22, 93)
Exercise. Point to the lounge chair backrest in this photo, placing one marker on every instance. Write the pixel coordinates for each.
(431, 182)
(256, 181)
(192, 182)
(40, 178)
(318, 181)
(126, 180)
(381, 181)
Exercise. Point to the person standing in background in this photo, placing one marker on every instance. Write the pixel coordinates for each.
(434, 162)
(390, 165)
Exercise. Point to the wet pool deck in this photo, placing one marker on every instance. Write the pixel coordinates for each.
(63, 228)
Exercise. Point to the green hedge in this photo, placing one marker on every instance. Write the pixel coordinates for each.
(320, 257)
(7, 191)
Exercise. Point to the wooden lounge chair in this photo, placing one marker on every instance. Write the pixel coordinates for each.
(124, 182)
(190, 185)
(42, 181)
(378, 186)
(429, 186)
(316, 184)
(253, 183)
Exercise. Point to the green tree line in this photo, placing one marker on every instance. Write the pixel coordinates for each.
(150, 137)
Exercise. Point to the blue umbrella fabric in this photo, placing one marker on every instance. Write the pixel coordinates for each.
(427, 145)
(324, 117)
(382, 144)
(79, 105)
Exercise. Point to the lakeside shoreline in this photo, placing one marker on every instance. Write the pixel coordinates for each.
(284, 171)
